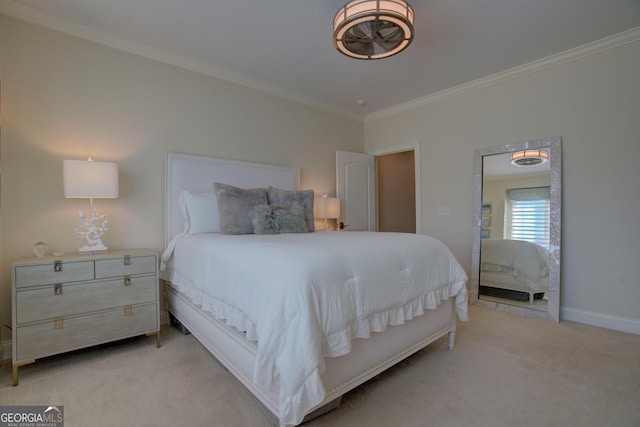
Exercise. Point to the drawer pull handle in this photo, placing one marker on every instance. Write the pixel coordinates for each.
(127, 310)
(59, 323)
(127, 260)
(127, 281)
(57, 289)
(57, 266)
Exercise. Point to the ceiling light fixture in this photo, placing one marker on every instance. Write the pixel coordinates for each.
(373, 29)
(529, 157)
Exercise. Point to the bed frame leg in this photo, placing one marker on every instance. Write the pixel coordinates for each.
(452, 332)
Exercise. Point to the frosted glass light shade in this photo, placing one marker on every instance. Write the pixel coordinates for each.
(326, 207)
(85, 179)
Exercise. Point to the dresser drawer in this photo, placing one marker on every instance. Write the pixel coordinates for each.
(114, 267)
(33, 275)
(43, 339)
(47, 302)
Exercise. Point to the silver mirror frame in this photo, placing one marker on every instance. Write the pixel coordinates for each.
(554, 145)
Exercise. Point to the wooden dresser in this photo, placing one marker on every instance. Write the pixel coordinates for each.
(75, 301)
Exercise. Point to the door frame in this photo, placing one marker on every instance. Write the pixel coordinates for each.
(415, 147)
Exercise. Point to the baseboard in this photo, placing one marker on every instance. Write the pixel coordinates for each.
(5, 351)
(623, 324)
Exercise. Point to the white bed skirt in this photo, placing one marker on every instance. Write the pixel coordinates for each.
(368, 357)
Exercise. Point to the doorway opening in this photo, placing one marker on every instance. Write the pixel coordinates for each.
(396, 192)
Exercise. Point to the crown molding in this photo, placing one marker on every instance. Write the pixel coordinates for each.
(574, 54)
(43, 19)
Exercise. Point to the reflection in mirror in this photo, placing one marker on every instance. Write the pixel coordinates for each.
(514, 245)
(516, 256)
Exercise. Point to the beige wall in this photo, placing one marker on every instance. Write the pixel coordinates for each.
(67, 98)
(593, 103)
(4, 320)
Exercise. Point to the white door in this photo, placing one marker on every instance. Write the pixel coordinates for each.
(356, 188)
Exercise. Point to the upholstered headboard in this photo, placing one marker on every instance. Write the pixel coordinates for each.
(198, 173)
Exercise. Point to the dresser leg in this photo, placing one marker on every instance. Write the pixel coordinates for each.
(157, 334)
(15, 370)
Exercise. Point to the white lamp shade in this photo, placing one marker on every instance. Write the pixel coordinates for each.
(326, 207)
(85, 179)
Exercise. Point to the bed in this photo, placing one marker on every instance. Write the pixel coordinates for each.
(514, 265)
(298, 318)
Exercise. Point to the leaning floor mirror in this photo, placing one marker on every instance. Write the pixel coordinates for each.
(515, 264)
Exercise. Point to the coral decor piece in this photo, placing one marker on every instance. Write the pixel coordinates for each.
(92, 229)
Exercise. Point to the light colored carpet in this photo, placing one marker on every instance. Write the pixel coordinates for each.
(504, 371)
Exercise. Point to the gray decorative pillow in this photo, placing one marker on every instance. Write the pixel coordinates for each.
(286, 198)
(234, 204)
(278, 219)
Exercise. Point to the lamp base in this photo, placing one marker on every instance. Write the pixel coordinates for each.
(92, 250)
(92, 229)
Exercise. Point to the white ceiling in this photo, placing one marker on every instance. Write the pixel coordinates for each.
(284, 46)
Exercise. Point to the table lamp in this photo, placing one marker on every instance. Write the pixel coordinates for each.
(90, 180)
(326, 207)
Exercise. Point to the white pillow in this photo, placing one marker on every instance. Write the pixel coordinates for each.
(200, 211)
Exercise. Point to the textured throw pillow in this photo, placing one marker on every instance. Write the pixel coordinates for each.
(285, 198)
(200, 212)
(278, 219)
(234, 204)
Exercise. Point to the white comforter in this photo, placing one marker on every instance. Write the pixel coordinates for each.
(525, 260)
(306, 296)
